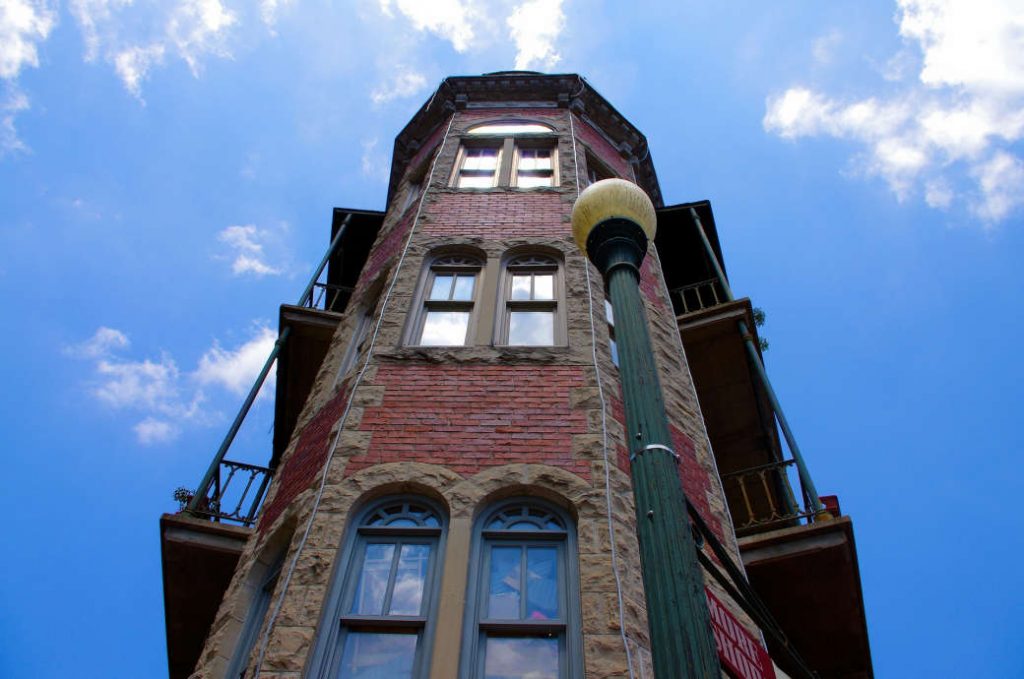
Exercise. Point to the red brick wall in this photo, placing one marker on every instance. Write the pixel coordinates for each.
(696, 482)
(497, 215)
(468, 417)
(604, 151)
(298, 470)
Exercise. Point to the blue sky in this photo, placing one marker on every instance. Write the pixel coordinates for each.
(167, 173)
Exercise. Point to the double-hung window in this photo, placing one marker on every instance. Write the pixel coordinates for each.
(532, 289)
(380, 622)
(522, 155)
(265, 584)
(448, 294)
(523, 614)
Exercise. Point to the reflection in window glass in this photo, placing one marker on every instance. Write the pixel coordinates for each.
(373, 580)
(503, 601)
(520, 658)
(407, 594)
(521, 286)
(374, 655)
(542, 583)
(531, 328)
(445, 328)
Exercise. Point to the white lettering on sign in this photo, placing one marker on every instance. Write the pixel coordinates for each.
(737, 649)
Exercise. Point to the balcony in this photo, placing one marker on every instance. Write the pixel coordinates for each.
(200, 547)
(800, 559)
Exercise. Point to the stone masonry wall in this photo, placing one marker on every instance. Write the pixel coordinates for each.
(470, 425)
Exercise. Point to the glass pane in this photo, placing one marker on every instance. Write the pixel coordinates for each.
(445, 328)
(528, 181)
(373, 579)
(503, 594)
(531, 328)
(480, 159)
(609, 313)
(442, 286)
(463, 288)
(542, 583)
(510, 128)
(615, 352)
(520, 286)
(476, 181)
(534, 159)
(407, 595)
(523, 525)
(521, 658)
(543, 286)
(374, 655)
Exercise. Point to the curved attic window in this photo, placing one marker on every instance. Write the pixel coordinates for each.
(510, 128)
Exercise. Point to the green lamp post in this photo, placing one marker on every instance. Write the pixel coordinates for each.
(613, 220)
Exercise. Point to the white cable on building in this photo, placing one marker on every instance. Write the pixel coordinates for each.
(348, 407)
(604, 428)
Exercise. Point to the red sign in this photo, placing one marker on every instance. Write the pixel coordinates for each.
(741, 653)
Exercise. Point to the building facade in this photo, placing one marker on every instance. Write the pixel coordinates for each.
(449, 491)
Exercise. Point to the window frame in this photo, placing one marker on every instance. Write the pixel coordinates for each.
(568, 628)
(440, 264)
(336, 623)
(513, 263)
(255, 616)
(508, 144)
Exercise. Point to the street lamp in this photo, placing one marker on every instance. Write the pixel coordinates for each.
(613, 221)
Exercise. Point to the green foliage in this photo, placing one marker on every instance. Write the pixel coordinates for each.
(763, 341)
(758, 316)
(183, 496)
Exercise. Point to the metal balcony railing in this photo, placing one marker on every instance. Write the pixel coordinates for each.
(697, 296)
(235, 493)
(761, 497)
(326, 296)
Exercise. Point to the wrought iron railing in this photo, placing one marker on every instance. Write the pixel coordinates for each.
(326, 296)
(697, 296)
(235, 494)
(762, 496)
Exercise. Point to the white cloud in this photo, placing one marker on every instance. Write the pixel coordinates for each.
(103, 342)
(135, 39)
(14, 103)
(451, 20)
(93, 16)
(269, 11)
(152, 430)
(824, 47)
(247, 243)
(162, 396)
(535, 26)
(237, 370)
(374, 162)
(23, 25)
(199, 26)
(965, 109)
(405, 83)
(133, 64)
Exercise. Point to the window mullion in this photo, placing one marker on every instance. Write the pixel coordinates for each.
(392, 575)
(508, 158)
(522, 581)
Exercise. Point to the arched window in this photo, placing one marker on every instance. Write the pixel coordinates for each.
(448, 297)
(519, 154)
(379, 617)
(523, 612)
(533, 302)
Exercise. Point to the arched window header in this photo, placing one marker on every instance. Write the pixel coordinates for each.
(508, 128)
(524, 517)
(403, 515)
